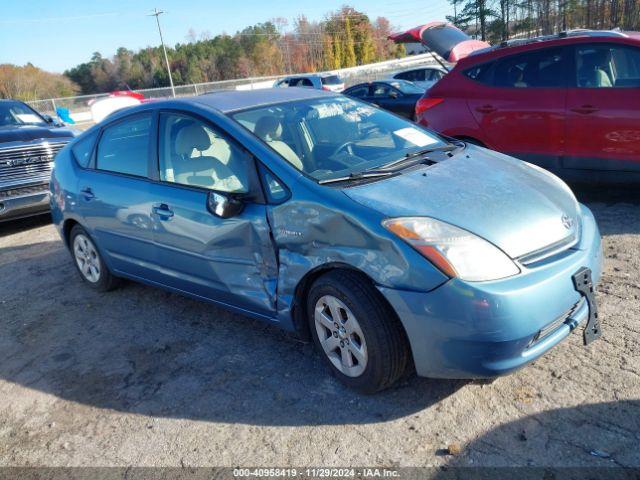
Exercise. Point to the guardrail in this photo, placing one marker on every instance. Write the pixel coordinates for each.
(79, 106)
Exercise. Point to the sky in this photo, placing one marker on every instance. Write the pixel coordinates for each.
(58, 34)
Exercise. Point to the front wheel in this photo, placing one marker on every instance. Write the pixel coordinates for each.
(88, 261)
(360, 337)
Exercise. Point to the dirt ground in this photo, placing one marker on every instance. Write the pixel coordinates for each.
(144, 377)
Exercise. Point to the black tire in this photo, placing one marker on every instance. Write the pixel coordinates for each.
(106, 281)
(386, 343)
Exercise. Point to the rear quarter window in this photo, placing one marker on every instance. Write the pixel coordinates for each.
(83, 149)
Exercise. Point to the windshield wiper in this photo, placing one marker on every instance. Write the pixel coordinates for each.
(401, 162)
(357, 176)
(393, 167)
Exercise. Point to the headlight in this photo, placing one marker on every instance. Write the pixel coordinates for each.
(457, 252)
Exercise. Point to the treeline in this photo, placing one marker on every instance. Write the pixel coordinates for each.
(345, 38)
(496, 20)
(31, 83)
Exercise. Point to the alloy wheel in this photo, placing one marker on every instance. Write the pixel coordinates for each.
(87, 258)
(340, 336)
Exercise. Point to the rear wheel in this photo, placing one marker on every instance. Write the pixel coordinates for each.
(88, 261)
(357, 333)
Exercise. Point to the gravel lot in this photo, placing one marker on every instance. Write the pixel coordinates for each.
(144, 377)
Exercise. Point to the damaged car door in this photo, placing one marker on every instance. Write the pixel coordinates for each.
(210, 222)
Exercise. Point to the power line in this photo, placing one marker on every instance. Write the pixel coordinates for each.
(156, 13)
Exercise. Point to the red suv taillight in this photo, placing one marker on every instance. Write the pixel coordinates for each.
(426, 103)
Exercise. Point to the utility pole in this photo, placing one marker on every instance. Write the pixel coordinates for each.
(156, 13)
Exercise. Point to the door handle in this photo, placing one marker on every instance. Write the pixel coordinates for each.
(585, 109)
(486, 109)
(162, 210)
(87, 193)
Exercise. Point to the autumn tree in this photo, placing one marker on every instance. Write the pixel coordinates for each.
(31, 83)
(343, 38)
(496, 20)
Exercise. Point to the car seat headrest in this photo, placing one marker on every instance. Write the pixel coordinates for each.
(268, 128)
(190, 137)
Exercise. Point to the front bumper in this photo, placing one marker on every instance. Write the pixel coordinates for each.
(24, 205)
(486, 329)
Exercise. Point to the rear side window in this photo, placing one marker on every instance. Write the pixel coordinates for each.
(300, 82)
(479, 73)
(124, 147)
(435, 75)
(542, 68)
(331, 80)
(83, 149)
(412, 75)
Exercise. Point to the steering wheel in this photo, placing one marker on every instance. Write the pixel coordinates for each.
(346, 146)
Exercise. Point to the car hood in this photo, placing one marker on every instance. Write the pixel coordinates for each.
(517, 207)
(26, 133)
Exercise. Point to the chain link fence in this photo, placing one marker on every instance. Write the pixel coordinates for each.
(80, 106)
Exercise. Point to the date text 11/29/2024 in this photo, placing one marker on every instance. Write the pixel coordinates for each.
(324, 472)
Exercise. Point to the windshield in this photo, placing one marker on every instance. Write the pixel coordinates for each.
(16, 113)
(406, 87)
(328, 138)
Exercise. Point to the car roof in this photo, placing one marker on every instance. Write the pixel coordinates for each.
(420, 67)
(386, 81)
(563, 38)
(231, 100)
(368, 84)
(310, 75)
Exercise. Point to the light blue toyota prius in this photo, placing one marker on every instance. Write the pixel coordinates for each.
(390, 246)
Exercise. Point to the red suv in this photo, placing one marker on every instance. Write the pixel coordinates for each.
(569, 103)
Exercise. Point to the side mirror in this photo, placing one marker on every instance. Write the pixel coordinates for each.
(49, 119)
(224, 205)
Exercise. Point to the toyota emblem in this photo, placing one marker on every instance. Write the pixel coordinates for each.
(567, 221)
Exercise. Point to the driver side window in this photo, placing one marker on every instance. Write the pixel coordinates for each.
(381, 90)
(193, 153)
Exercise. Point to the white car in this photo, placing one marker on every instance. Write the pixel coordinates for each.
(330, 82)
(423, 77)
